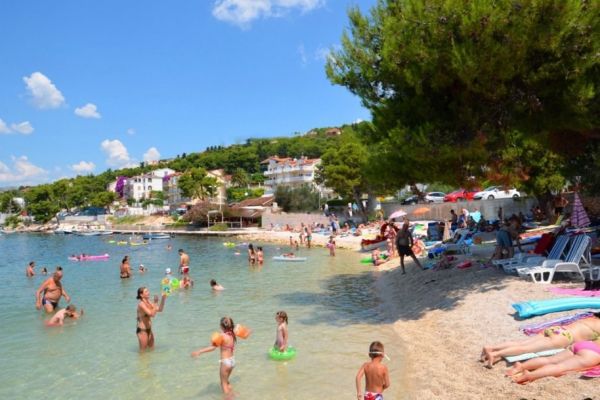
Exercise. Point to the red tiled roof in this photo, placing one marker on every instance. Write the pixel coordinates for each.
(265, 201)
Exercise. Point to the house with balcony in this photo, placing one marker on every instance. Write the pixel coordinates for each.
(175, 198)
(141, 186)
(292, 172)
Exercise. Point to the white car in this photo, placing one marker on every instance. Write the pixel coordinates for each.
(497, 192)
(435, 197)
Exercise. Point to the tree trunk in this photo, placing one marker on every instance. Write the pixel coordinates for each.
(357, 198)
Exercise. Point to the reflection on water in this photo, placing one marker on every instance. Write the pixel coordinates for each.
(333, 309)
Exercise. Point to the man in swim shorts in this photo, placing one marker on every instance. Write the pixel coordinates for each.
(50, 292)
(184, 262)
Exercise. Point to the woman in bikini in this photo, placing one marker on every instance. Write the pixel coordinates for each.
(580, 356)
(226, 341)
(145, 311)
(251, 254)
(555, 337)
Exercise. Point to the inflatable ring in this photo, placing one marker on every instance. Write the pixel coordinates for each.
(175, 283)
(277, 355)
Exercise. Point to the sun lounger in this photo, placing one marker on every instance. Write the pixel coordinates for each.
(510, 265)
(545, 272)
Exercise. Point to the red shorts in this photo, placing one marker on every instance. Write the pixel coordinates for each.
(185, 269)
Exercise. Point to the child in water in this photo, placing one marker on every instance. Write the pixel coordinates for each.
(58, 319)
(331, 246)
(281, 340)
(376, 375)
(260, 257)
(226, 341)
(186, 282)
(215, 286)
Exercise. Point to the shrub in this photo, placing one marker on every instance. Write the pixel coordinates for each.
(218, 227)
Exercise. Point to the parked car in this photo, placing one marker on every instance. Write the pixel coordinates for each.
(461, 195)
(414, 199)
(435, 197)
(497, 192)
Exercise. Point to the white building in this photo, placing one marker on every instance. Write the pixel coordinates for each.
(292, 172)
(141, 186)
(175, 198)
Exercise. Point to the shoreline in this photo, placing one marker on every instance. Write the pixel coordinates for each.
(444, 318)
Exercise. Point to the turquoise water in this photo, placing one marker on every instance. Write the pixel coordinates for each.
(333, 308)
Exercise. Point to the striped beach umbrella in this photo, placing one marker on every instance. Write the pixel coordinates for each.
(579, 217)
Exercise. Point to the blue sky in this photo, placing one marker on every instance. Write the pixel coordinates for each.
(87, 86)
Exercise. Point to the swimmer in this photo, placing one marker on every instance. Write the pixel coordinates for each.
(58, 319)
(44, 271)
(215, 286)
(50, 292)
(186, 282)
(281, 338)
(377, 377)
(227, 346)
(169, 247)
(184, 262)
(125, 268)
(145, 312)
(260, 256)
(142, 269)
(331, 246)
(288, 255)
(29, 272)
(251, 254)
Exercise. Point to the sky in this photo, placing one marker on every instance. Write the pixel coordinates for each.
(86, 86)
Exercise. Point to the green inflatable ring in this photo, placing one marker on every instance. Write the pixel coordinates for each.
(282, 355)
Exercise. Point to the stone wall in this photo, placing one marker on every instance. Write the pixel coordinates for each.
(293, 219)
(441, 211)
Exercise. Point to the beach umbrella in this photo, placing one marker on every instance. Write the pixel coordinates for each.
(579, 217)
(398, 214)
(421, 211)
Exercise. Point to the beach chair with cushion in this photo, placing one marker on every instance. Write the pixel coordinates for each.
(571, 265)
(522, 260)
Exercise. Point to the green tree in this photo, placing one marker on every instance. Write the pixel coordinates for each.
(195, 183)
(103, 199)
(240, 178)
(449, 81)
(301, 199)
(40, 203)
(7, 203)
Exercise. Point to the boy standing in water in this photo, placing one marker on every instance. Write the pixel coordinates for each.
(376, 375)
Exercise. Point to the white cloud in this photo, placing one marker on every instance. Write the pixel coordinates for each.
(24, 128)
(3, 127)
(243, 12)
(43, 92)
(358, 121)
(118, 156)
(152, 154)
(88, 111)
(131, 131)
(22, 172)
(83, 167)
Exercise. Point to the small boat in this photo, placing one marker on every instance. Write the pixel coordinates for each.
(154, 236)
(90, 257)
(288, 258)
(62, 231)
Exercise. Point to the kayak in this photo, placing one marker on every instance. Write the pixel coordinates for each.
(90, 258)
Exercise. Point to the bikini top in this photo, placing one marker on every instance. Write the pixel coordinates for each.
(232, 347)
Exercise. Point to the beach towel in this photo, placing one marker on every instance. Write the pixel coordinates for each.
(575, 292)
(527, 356)
(533, 329)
